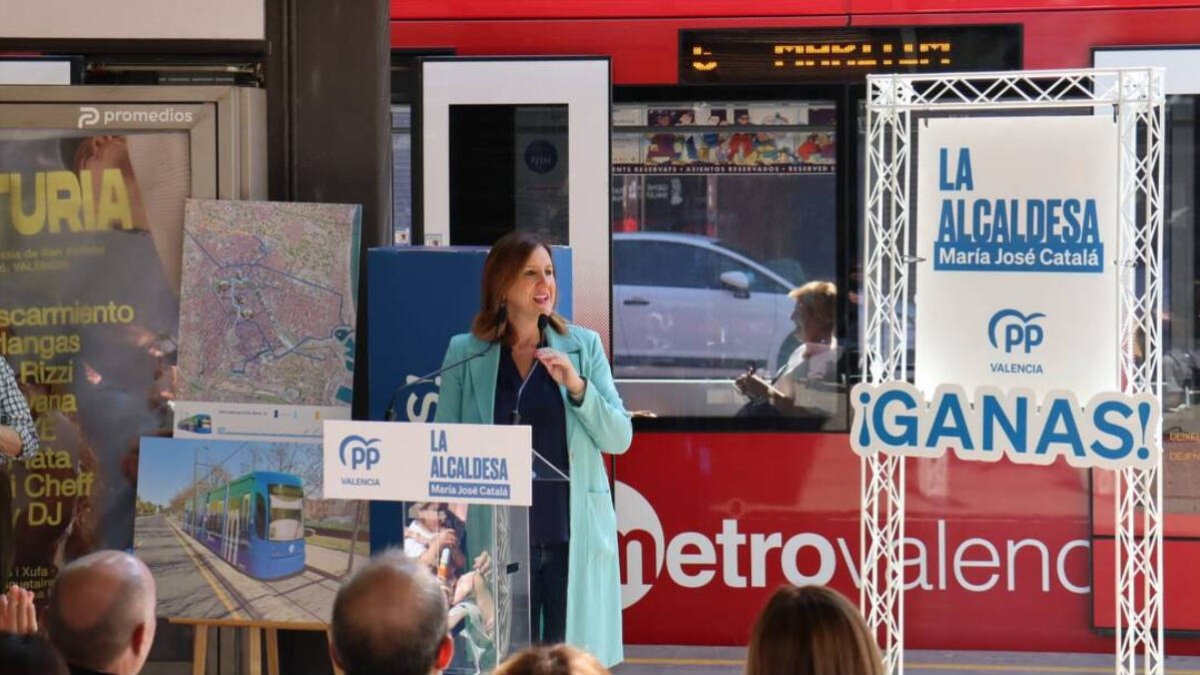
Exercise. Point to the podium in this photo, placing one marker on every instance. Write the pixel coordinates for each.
(462, 492)
(419, 298)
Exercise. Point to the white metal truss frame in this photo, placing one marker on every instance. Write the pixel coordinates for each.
(1135, 96)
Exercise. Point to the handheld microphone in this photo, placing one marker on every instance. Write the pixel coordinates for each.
(390, 414)
(443, 570)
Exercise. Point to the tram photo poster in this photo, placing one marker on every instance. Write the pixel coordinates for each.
(1016, 232)
(90, 225)
(240, 530)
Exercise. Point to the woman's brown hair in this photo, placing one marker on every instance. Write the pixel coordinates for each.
(554, 660)
(501, 269)
(811, 630)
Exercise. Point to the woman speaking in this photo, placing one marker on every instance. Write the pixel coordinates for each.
(538, 370)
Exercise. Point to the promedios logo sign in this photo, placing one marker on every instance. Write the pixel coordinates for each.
(92, 116)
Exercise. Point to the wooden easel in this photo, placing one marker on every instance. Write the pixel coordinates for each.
(260, 632)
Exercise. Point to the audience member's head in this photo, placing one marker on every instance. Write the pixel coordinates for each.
(101, 612)
(552, 660)
(811, 630)
(816, 310)
(390, 618)
(29, 654)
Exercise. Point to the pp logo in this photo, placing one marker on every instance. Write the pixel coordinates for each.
(1016, 330)
(362, 452)
(87, 116)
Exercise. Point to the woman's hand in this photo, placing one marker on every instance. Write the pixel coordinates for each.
(483, 564)
(753, 386)
(463, 587)
(561, 370)
(447, 538)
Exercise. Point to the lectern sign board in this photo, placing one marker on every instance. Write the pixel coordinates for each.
(395, 461)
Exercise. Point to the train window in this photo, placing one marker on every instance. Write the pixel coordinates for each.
(508, 170)
(287, 509)
(1181, 316)
(216, 511)
(401, 174)
(720, 210)
(260, 517)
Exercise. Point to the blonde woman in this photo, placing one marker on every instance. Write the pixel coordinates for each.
(807, 384)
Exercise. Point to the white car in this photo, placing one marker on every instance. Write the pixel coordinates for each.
(686, 306)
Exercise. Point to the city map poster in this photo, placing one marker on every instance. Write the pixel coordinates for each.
(90, 232)
(267, 309)
(240, 530)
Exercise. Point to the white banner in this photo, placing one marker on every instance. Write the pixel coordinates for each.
(1017, 226)
(254, 421)
(134, 20)
(395, 461)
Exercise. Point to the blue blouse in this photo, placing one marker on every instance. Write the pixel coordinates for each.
(540, 406)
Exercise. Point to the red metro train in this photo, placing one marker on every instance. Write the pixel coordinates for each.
(713, 511)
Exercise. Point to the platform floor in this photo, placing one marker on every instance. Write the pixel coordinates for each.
(670, 660)
(665, 660)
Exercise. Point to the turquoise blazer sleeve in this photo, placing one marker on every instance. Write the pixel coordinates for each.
(450, 393)
(601, 413)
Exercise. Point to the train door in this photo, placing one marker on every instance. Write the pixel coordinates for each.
(1180, 345)
(228, 525)
(245, 544)
(237, 518)
(235, 532)
(260, 516)
(530, 155)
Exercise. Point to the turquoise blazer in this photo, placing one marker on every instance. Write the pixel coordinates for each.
(599, 424)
